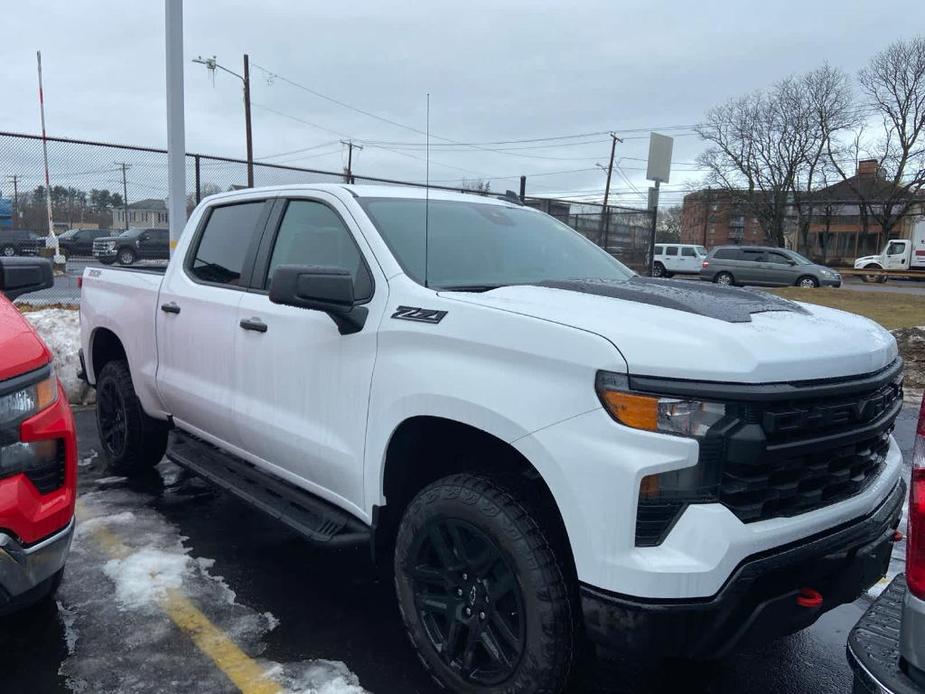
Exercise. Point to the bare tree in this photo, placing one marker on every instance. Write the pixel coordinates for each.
(893, 84)
(668, 225)
(758, 142)
(476, 185)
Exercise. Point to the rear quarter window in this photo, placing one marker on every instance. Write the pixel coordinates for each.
(224, 243)
(727, 254)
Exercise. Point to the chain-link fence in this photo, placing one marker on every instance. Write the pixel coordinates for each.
(100, 190)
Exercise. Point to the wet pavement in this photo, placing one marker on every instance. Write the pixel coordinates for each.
(318, 620)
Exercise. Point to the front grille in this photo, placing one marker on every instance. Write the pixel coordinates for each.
(49, 477)
(781, 449)
(807, 453)
(786, 486)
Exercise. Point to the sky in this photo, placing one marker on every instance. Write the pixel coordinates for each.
(497, 71)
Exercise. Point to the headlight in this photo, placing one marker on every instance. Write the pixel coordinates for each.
(663, 496)
(17, 456)
(653, 413)
(22, 404)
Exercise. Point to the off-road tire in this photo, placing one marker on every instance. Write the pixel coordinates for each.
(550, 629)
(143, 442)
(658, 270)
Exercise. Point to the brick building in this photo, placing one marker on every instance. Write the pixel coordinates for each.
(715, 218)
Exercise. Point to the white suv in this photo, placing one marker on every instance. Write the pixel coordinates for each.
(678, 259)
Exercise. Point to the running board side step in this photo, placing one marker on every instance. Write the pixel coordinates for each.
(310, 516)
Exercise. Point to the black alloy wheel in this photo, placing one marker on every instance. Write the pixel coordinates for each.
(468, 601)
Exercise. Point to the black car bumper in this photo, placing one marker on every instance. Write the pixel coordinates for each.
(758, 602)
(873, 647)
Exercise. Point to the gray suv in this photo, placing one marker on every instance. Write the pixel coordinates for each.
(765, 266)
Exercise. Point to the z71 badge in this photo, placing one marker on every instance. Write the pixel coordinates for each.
(421, 315)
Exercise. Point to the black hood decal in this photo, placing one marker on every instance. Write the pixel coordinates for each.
(728, 304)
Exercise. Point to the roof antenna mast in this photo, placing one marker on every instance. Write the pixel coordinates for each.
(427, 191)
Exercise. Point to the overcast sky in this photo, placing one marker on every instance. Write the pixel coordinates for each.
(497, 71)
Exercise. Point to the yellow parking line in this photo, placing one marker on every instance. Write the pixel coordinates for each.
(246, 674)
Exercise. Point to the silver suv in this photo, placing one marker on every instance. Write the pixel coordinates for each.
(765, 266)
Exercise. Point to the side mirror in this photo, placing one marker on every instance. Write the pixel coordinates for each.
(327, 289)
(20, 276)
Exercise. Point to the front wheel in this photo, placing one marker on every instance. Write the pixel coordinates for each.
(126, 256)
(132, 441)
(808, 282)
(8, 251)
(725, 279)
(482, 590)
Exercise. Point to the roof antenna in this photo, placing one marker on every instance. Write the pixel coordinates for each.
(427, 191)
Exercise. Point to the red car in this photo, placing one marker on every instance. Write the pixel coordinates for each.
(38, 449)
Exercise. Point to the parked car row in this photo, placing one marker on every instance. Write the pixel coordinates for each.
(742, 265)
(131, 245)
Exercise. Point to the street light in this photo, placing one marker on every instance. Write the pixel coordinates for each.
(213, 65)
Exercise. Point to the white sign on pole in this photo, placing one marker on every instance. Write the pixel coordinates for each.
(659, 168)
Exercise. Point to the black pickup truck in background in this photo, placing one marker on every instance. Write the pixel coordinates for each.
(20, 242)
(131, 245)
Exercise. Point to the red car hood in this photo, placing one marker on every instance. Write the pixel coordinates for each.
(21, 349)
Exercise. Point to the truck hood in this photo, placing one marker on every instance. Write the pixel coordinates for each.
(21, 349)
(861, 262)
(688, 336)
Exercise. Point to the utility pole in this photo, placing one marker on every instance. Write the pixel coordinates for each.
(15, 179)
(613, 149)
(348, 172)
(213, 65)
(125, 167)
(176, 124)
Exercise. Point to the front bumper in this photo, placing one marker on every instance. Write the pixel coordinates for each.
(830, 281)
(104, 252)
(874, 650)
(26, 570)
(758, 602)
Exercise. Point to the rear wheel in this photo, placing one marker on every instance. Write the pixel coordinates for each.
(482, 591)
(133, 441)
(724, 278)
(658, 270)
(808, 282)
(8, 251)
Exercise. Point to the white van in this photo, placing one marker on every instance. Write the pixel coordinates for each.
(678, 259)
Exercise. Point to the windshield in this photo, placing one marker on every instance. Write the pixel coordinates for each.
(479, 246)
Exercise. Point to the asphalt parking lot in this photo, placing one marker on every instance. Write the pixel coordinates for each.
(316, 620)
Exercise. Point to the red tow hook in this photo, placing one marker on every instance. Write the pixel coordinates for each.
(809, 598)
(897, 536)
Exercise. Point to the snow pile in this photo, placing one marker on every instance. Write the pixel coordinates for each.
(125, 559)
(317, 677)
(911, 343)
(143, 578)
(60, 329)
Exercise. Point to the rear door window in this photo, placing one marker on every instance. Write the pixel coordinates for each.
(222, 249)
(671, 250)
(753, 256)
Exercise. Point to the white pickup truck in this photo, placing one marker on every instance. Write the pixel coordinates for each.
(551, 452)
(899, 255)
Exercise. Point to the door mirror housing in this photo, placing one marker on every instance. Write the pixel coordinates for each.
(326, 289)
(20, 276)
